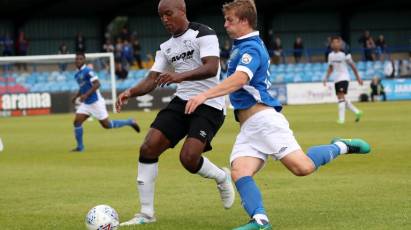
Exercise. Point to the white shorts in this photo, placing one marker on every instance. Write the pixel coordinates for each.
(97, 109)
(266, 133)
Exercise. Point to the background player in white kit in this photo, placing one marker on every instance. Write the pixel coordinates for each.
(339, 61)
(192, 56)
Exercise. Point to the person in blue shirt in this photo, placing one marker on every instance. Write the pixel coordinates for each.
(92, 103)
(264, 131)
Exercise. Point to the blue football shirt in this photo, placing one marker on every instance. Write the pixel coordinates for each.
(249, 55)
(84, 77)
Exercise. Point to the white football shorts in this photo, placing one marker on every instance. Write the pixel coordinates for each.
(97, 109)
(266, 133)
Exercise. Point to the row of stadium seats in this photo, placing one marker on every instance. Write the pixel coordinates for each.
(282, 73)
(314, 72)
(283, 68)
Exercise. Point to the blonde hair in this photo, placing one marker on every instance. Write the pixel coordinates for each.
(244, 9)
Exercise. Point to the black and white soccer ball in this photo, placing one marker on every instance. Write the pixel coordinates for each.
(102, 217)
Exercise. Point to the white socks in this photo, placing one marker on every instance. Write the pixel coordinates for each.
(351, 106)
(210, 170)
(341, 110)
(342, 146)
(147, 174)
(259, 217)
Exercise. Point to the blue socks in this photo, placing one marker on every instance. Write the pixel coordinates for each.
(321, 155)
(120, 123)
(250, 196)
(78, 132)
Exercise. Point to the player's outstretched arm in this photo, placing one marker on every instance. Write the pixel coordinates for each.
(357, 75)
(208, 69)
(329, 72)
(237, 80)
(145, 86)
(96, 85)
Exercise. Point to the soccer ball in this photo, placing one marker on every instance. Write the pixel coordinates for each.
(102, 217)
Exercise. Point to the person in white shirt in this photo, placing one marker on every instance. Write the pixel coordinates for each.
(189, 59)
(339, 61)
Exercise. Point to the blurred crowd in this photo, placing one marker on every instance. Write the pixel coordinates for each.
(127, 50)
(371, 50)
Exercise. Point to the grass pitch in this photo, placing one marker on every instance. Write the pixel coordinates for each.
(43, 186)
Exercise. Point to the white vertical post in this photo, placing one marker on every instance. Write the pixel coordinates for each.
(113, 83)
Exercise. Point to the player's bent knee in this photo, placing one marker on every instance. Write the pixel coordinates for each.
(237, 173)
(190, 161)
(148, 151)
(303, 169)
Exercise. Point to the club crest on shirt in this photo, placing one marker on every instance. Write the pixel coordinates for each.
(246, 58)
(188, 44)
(80, 77)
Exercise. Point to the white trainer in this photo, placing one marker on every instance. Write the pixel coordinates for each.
(139, 218)
(226, 189)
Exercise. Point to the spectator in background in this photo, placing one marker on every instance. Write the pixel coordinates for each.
(22, 46)
(125, 34)
(121, 71)
(380, 47)
(7, 43)
(404, 68)
(389, 69)
(363, 39)
(127, 53)
(80, 43)
(108, 46)
(136, 50)
(63, 50)
(277, 51)
(298, 49)
(370, 50)
(366, 42)
(118, 49)
(377, 89)
(225, 55)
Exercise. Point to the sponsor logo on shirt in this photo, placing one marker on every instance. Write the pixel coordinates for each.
(183, 56)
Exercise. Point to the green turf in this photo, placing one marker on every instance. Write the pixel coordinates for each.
(43, 186)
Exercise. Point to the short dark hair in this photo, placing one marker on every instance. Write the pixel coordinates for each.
(335, 37)
(81, 54)
(244, 9)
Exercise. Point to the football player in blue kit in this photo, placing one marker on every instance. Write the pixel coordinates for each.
(264, 131)
(92, 103)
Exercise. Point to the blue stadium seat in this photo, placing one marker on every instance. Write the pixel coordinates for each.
(308, 67)
(317, 66)
(105, 86)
